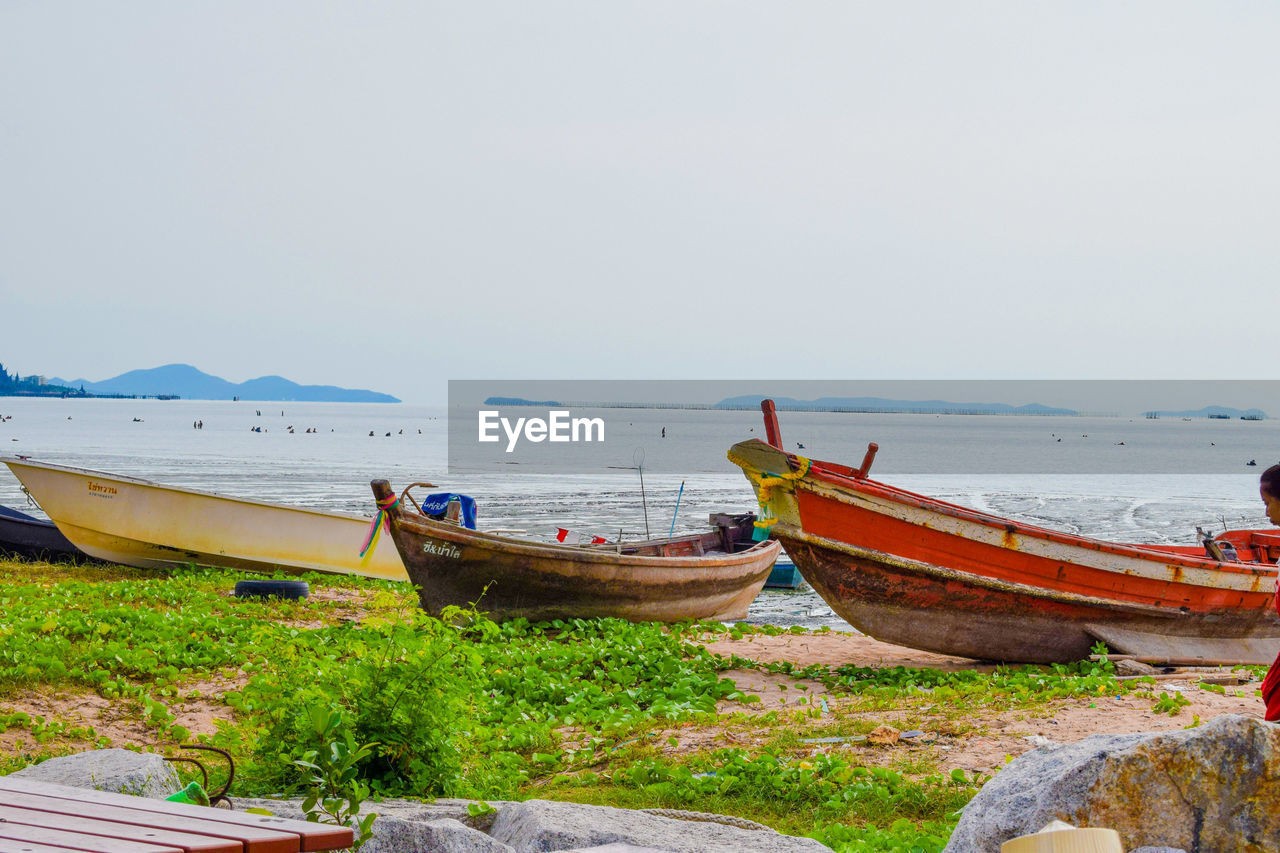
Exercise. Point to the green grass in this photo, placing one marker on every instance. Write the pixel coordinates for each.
(574, 709)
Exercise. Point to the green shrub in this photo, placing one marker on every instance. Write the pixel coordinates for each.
(405, 684)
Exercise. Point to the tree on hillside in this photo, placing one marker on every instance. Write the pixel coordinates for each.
(15, 385)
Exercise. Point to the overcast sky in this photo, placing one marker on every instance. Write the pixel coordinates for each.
(390, 195)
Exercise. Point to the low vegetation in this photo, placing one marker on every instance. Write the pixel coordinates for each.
(355, 693)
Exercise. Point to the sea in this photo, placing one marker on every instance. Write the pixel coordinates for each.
(1125, 479)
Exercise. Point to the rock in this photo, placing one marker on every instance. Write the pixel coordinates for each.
(615, 848)
(541, 826)
(397, 835)
(1207, 789)
(883, 735)
(122, 771)
(403, 826)
(1157, 850)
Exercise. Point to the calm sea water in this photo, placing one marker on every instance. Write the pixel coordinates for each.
(1091, 484)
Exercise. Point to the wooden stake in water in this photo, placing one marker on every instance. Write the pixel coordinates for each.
(638, 458)
(677, 512)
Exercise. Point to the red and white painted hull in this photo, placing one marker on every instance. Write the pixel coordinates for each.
(923, 573)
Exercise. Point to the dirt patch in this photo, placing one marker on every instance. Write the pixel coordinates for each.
(979, 741)
(109, 718)
(776, 692)
(119, 721)
(342, 602)
(334, 604)
(834, 649)
(1009, 734)
(691, 738)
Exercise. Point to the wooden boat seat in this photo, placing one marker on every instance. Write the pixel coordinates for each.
(684, 548)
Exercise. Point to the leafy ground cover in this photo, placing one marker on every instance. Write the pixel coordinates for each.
(598, 711)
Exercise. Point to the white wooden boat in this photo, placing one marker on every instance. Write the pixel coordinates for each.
(149, 525)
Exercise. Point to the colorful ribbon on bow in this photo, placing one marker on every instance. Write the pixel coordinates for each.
(765, 483)
(381, 520)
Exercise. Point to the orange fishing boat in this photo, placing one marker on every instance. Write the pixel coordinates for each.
(920, 572)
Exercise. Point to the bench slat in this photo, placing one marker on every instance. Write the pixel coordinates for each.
(313, 836)
(258, 839)
(191, 842)
(10, 846)
(13, 832)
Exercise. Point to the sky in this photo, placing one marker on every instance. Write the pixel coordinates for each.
(391, 195)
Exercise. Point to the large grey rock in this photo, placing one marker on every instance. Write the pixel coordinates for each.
(397, 835)
(1212, 789)
(542, 826)
(404, 826)
(615, 848)
(143, 774)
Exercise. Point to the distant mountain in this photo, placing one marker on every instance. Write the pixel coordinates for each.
(1211, 411)
(881, 404)
(518, 401)
(192, 384)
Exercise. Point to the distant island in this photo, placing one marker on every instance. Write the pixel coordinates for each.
(173, 381)
(1211, 412)
(519, 401)
(823, 404)
(877, 405)
(887, 406)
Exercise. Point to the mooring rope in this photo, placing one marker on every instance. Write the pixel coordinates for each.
(385, 505)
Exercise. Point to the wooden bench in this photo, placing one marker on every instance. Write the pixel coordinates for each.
(38, 817)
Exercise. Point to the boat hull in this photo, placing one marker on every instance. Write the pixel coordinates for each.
(510, 578)
(784, 575)
(152, 526)
(34, 538)
(914, 571)
(936, 610)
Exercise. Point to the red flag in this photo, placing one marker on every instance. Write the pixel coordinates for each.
(562, 535)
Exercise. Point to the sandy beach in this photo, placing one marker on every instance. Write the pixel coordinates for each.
(982, 742)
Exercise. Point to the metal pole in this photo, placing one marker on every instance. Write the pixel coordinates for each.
(638, 458)
(644, 502)
(677, 512)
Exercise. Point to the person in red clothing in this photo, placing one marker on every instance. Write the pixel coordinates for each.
(1269, 489)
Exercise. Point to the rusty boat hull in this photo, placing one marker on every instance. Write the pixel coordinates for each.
(914, 571)
(714, 575)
